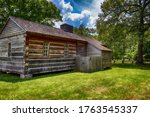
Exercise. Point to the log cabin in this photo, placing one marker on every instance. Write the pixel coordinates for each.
(29, 48)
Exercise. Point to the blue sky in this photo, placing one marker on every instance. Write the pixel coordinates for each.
(77, 12)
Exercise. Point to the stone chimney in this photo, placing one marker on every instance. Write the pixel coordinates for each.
(67, 28)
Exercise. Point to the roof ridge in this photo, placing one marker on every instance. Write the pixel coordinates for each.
(34, 27)
(12, 18)
(38, 23)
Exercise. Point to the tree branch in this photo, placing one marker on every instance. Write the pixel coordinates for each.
(140, 2)
(147, 3)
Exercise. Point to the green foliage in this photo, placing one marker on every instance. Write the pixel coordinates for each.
(114, 36)
(82, 30)
(147, 45)
(147, 50)
(119, 20)
(41, 11)
(115, 83)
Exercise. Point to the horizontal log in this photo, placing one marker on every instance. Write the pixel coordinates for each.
(17, 57)
(56, 52)
(57, 44)
(52, 63)
(17, 54)
(70, 47)
(59, 49)
(35, 54)
(17, 50)
(35, 41)
(49, 64)
(11, 59)
(54, 47)
(18, 46)
(12, 62)
(35, 46)
(34, 61)
(37, 57)
(17, 43)
(27, 43)
(56, 56)
(4, 50)
(21, 51)
(40, 51)
(72, 51)
(49, 69)
(12, 69)
(53, 67)
(73, 44)
(72, 55)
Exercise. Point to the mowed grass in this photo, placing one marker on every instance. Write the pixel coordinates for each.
(122, 82)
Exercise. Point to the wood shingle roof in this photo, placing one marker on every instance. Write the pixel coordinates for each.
(32, 27)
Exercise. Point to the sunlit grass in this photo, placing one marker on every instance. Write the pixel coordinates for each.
(121, 82)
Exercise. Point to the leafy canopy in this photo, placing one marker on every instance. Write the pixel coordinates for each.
(132, 15)
(41, 11)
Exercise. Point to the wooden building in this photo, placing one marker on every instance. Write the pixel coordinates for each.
(28, 48)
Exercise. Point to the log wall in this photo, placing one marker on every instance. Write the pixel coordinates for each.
(12, 46)
(36, 48)
(81, 49)
(27, 54)
(12, 54)
(48, 55)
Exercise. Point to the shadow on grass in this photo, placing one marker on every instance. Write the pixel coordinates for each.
(14, 78)
(132, 66)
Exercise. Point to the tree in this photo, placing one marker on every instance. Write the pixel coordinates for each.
(41, 11)
(115, 37)
(147, 46)
(134, 14)
(82, 30)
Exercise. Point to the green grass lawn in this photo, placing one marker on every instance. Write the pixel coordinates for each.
(121, 82)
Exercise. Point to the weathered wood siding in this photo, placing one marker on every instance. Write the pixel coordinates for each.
(36, 66)
(55, 49)
(89, 63)
(49, 55)
(106, 59)
(81, 49)
(12, 43)
(105, 55)
(10, 29)
(15, 61)
(91, 50)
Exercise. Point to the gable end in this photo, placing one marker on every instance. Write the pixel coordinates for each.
(11, 28)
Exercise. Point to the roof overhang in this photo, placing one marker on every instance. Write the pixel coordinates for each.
(54, 37)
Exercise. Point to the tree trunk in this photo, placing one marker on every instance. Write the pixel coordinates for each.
(140, 49)
(141, 37)
(123, 60)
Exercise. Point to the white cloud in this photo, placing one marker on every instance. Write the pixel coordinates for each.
(95, 10)
(66, 7)
(88, 16)
(77, 16)
(57, 24)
